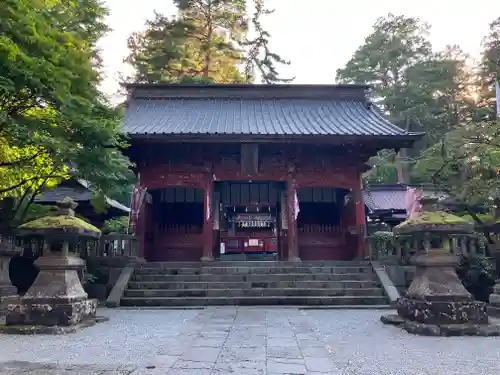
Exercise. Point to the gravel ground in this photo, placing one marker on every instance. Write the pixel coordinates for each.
(246, 340)
(363, 345)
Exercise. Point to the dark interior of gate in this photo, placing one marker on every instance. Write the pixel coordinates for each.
(248, 218)
(322, 233)
(178, 224)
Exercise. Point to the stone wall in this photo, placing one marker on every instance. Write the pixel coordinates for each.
(106, 270)
(401, 276)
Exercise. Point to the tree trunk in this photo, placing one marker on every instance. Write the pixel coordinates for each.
(208, 43)
(403, 169)
(206, 65)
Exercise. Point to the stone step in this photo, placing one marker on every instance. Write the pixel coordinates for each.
(330, 283)
(253, 292)
(363, 276)
(253, 270)
(254, 301)
(326, 263)
(254, 257)
(257, 284)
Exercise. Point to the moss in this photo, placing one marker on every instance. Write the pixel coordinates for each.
(60, 221)
(437, 217)
(486, 219)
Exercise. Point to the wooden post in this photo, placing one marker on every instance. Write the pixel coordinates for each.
(207, 236)
(293, 248)
(141, 230)
(360, 221)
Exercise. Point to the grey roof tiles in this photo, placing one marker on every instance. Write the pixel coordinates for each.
(288, 110)
(385, 197)
(79, 193)
(253, 116)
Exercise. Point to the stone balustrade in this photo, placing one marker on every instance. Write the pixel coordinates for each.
(403, 248)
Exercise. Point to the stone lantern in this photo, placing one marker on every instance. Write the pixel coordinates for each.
(437, 303)
(56, 302)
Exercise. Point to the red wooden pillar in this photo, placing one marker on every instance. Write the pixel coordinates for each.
(293, 246)
(207, 236)
(360, 220)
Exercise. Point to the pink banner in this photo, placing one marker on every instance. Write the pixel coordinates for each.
(413, 205)
(296, 207)
(138, 195)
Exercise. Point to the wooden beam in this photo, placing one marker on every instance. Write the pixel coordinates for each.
(249, 159)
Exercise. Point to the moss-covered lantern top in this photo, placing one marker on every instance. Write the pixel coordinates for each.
(61, 224)
(429, 219)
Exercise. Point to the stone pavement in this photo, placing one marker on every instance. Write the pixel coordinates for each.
(246, 340)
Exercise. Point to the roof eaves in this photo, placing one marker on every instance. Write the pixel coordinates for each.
(117, 205)
(241, 85)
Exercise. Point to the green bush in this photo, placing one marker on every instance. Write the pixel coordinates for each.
(383, 241)
(477, 274)
(118, 225)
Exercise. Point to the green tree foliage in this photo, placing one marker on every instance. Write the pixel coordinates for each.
(420, 90)
(53, 119)
(383, 168)
(489, 71)
(207, 41)
(466, 164)
(37, 211)
(116, 225)
(466, 161)
(260, 60)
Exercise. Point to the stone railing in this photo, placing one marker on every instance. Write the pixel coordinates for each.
(9, 243)
(118, 245)
(109, 245)
(402, 249)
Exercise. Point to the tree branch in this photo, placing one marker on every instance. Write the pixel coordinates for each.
(20, 161)
(25, 181)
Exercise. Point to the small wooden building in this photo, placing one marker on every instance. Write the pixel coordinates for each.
(254, 168)
(385, 203)
(78, 190)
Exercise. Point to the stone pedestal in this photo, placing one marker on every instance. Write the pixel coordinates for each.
(207, 258)
(494, 306)
(437, 304)
(56, 298)
(8, 293)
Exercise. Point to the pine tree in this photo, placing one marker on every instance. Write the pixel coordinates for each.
(214, 27)
(260, 60)
(206, 42)
(489, 72)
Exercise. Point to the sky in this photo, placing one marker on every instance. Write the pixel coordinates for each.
(317, 36)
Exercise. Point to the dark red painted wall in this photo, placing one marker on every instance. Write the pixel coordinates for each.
(185, 166)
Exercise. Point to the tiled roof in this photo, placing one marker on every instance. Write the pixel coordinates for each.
(255, 110)
(251, 116)
(60, 192)
(393, 197)
(385, 197)
(79, 193)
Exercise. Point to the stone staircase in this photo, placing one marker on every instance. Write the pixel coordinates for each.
(254, 283)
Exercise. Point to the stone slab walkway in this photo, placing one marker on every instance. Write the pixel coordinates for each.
(246, 340)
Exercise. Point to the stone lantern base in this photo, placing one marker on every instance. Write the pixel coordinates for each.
(56, 302)
(494, 306)
(437, 303)
(8, 292)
